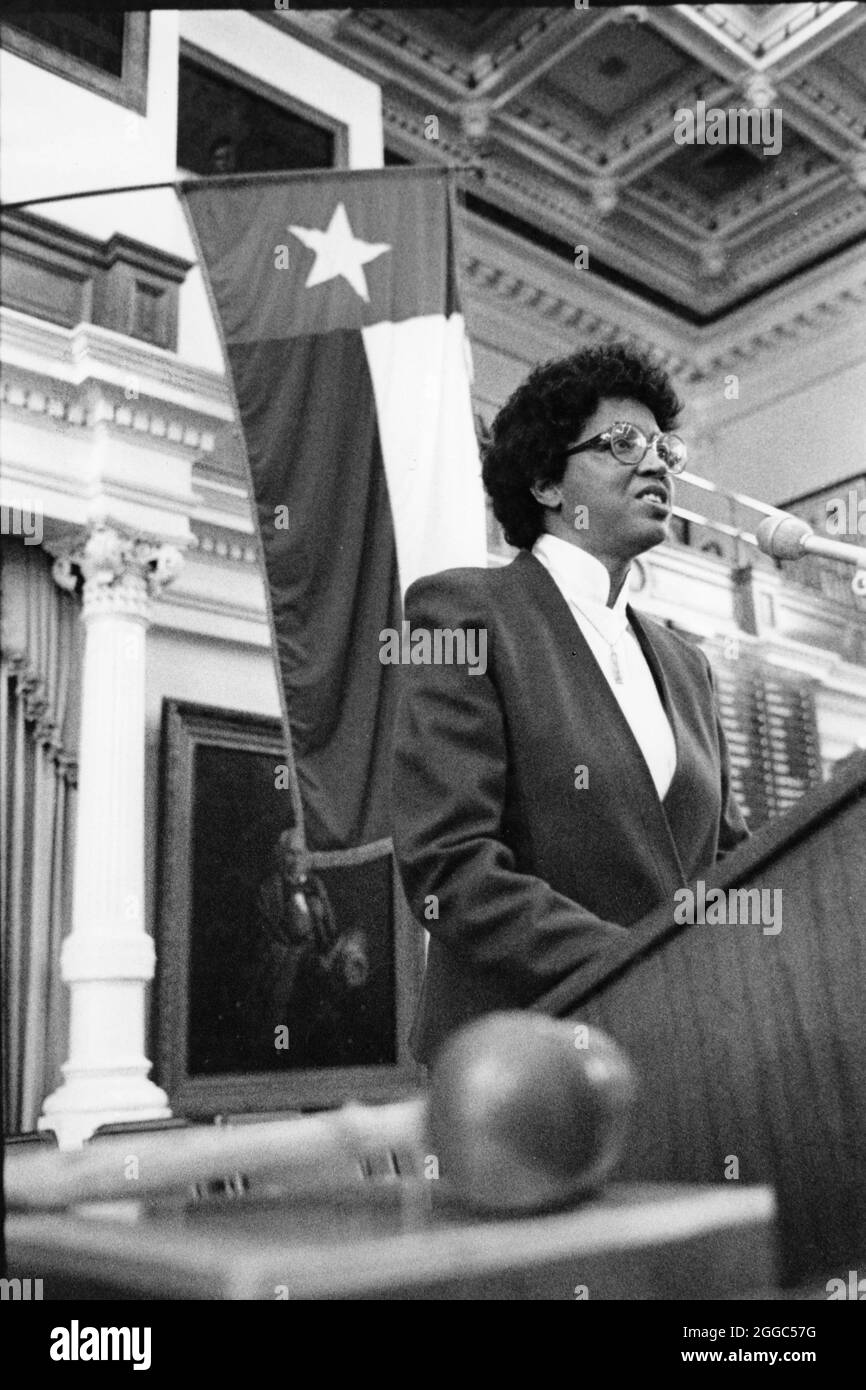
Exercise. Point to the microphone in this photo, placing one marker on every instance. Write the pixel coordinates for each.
(789, 538)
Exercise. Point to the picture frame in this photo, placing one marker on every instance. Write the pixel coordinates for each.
(246, 1021)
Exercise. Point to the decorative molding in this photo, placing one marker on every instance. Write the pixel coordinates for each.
(38, 401)
(85, 412)
(326, 22)
(475, 120)
(405, 120)
(571, 316)
(224, 543)
(90, 354)
(760, 245)
(758, 90)
(89, 377)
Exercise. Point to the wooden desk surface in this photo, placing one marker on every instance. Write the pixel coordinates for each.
(405, 1239)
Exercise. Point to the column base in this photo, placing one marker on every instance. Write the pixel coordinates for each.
(84, 1102)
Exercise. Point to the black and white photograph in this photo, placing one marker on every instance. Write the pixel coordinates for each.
(433, 698)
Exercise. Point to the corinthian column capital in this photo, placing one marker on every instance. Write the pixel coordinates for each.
(121, 569)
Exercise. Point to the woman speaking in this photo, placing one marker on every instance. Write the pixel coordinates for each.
(544, 805)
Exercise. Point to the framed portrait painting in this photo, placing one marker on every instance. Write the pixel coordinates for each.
(273, 991)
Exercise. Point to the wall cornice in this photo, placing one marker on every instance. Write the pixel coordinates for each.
(499, 268)
(91, 354)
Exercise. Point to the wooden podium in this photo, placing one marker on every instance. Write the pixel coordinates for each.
(751, 1045)
(405, 1240)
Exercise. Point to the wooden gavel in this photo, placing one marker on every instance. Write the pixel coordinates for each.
(523, 1113)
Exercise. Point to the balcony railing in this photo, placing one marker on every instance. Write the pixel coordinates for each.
(725, 522)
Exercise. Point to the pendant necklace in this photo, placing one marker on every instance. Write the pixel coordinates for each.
(614, 657)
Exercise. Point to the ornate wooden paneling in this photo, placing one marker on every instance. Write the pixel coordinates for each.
(55, 273)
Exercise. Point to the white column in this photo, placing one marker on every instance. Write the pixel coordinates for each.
(108, 957)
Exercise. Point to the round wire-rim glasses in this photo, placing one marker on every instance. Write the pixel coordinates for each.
(629, 445)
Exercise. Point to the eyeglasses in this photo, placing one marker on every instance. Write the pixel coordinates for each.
(629, 445)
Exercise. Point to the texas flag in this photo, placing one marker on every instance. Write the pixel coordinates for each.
(337, 298)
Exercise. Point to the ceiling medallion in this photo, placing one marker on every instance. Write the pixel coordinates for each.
(604, 196)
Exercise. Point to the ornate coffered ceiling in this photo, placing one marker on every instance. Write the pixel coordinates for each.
(567, 117)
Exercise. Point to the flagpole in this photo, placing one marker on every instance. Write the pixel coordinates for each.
(91, 193)
(211, 180)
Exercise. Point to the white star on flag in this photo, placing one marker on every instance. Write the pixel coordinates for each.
(339, 252)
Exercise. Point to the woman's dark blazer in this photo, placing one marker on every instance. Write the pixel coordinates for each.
(520, 873)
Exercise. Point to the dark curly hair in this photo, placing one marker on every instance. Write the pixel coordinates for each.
(547, 412)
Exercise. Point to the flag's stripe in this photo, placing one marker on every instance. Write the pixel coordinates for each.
(420, 378)
(314, 448)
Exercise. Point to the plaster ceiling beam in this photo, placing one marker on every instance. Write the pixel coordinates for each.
(825, 31)
(718, 33)
(549, 210)
(752, 220)
(669, 221)
(503, 83)
(406, 138)
(702, 18)
(818, 126)
(545, 150)
(825, 90)
(652, 149)
(674, 23)
(747, 230)
(386, 61)
(694, 30)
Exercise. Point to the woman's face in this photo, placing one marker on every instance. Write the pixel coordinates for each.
(605, 507)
